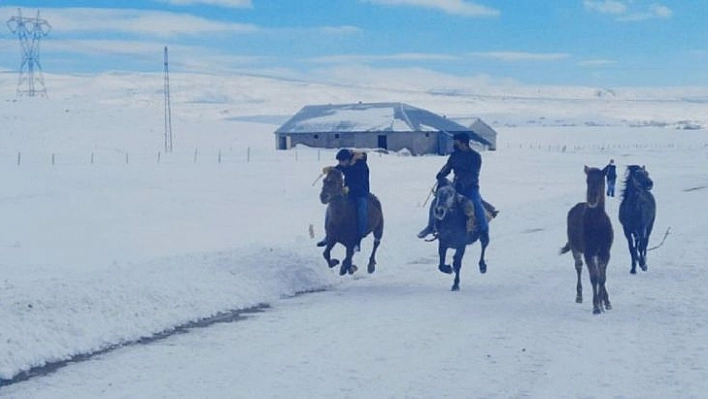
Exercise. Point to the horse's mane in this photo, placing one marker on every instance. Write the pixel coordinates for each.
(627, 176)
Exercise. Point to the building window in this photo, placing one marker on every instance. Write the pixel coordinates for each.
(336, 135)
(427, 134)
(316, 136)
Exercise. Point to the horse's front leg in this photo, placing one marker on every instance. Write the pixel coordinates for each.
(577, 256)
(602, 278)
(632, 250)
(642, 250)
(594, 282)
(347, 265)
(372, 259)
(442, 253)
(457, 264)
(327, 255)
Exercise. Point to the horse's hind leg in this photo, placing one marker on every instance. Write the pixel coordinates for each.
(378, 233)
(484, 240)
(577, 256)
(372, 259)
(457, 265)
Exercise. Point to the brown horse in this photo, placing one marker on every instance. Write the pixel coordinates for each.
(590, 235)
(341, 222)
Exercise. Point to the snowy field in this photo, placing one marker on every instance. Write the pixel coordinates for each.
(107, 241)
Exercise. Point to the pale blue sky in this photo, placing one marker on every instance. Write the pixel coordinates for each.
(607, 43)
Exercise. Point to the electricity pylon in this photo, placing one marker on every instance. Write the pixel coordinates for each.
(168, 110)
(30, 31)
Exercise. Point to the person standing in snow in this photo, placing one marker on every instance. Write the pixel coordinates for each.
(610, 172)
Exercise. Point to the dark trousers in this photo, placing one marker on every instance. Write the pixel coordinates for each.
(362, 214)
(611, 188)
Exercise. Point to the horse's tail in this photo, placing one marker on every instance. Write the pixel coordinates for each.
(565, 249)
(375, 200)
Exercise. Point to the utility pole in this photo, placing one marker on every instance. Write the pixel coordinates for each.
(29, 31)
(168, 110)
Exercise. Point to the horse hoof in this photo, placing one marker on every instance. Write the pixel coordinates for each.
(455, 288)
(633, 271)
(482, 268)
(644, 267)
(333, 263)
(343, 270)
(352, 269)
(447, 269)
(371, 268)
(608, 306)
(596, 311)
(578, 300)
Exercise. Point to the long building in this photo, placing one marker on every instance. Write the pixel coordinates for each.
(386, 126)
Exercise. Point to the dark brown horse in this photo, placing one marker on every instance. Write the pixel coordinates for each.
(341, 222)
(590, 235)
(636, 213)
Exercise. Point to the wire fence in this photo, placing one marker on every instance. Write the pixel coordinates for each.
(604, 147)
(256, 155)
(138, 157)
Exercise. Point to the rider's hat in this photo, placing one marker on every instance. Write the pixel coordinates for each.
(462, 136)
(344, 155)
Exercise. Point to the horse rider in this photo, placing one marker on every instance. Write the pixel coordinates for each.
(466, 163)
(356, 179)
(610, 172)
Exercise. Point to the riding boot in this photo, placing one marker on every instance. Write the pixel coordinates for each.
(490, 210)
(425, 232)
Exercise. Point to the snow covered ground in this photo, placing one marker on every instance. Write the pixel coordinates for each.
(96, 254)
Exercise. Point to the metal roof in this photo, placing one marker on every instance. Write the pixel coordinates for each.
(370, 117)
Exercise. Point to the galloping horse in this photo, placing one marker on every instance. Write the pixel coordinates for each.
(590, 235)
(636, 213)
(451, 230)
(341, 222)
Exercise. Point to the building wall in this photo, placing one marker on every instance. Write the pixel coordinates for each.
(417, 143)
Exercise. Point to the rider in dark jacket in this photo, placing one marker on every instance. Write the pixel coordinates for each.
(466, 164)
(356, 178)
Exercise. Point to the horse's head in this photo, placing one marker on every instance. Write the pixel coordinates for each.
(638, 177)
(595, 179)
(445, 199)
(332, 185)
